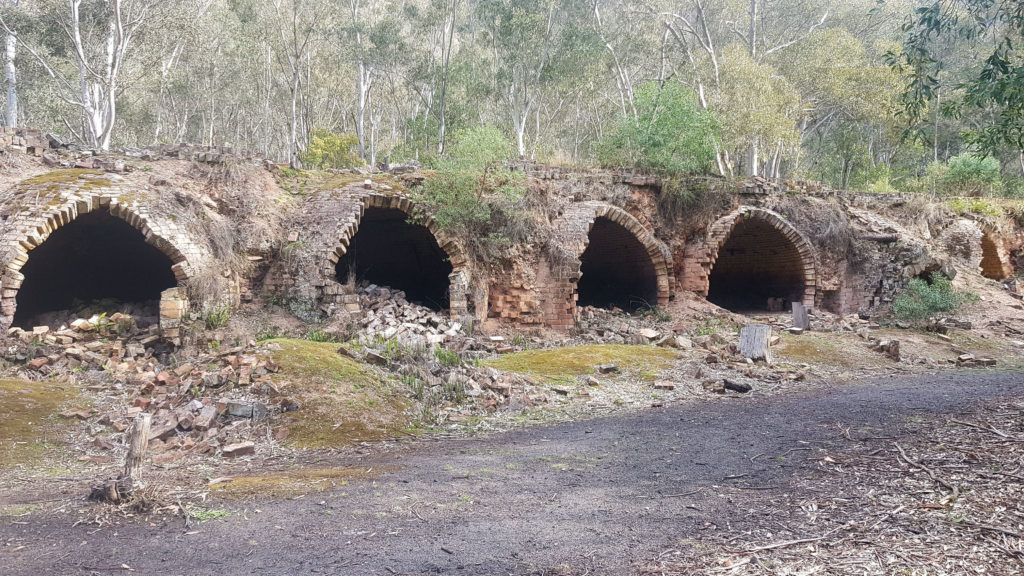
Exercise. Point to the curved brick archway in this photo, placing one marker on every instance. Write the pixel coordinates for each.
(773, 243)
(27, 231)
(573, 236)
(458, 279)
(995, 261)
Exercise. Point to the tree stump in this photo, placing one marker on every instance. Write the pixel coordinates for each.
(755, 342)
(800, 319)
(118, 489)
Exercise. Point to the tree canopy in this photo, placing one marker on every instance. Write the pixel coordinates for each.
(817, 89)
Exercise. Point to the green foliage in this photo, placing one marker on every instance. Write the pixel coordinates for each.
(204, 514)
(480, 148)
(974, 206)
(922, 299)
(217, 318)
(991, 82)
(970, 175)
(670, 133)
(447, 358)
(328, 149)
(471, 187)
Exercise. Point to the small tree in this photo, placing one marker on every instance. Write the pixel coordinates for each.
(970, 175)
(471, 183)
(331, 150)
(671, 133)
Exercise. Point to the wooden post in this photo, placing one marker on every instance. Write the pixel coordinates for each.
(138, 443)
(800, 319)
(118, 489)
(755, 342)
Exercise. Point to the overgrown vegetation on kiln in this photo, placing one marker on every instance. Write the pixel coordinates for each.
(473, 191)
(923, 299)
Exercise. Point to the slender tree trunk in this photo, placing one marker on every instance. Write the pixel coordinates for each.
(11, 72)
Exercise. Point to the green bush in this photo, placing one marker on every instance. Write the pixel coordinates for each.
(472, 184)
(480, 148)
(969, 175)
(328, 149)
(217, 318)
(670, 133)
(922, 299)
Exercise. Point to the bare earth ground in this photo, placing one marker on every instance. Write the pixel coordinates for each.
(910, 475)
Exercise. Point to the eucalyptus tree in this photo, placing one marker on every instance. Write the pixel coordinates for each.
(88, 59)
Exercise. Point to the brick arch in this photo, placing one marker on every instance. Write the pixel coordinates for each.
(29, 231)
(995, 260)
(722, 229)
(458, 280)
(572, 237)
(661, 257)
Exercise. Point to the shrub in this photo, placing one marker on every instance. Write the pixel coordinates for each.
(969, 175)
(328, 149)
(670, 133)
(922, 299)
(472, 186)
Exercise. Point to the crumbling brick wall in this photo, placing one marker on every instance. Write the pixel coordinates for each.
(319, 229)
(37, 207)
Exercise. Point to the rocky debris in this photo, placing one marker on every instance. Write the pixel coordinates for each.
(246, 448)
(607, 368)
(891, 348)
(970, 361)
(664, 385)
(741, 387)
(196, 407)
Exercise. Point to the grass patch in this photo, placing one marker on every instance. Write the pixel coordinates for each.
(29, 423)
(203, 514)
(561, 365)
(841, 350)
(293, 482)
(341, 401)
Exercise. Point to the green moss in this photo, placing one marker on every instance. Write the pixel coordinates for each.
(559, 365)
(52, 181)
(341, 401)
(306, 359)
(838, 350)
(28, 425)
(293, 482)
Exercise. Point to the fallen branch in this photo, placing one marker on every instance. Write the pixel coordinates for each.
(785, 544)
(991, 429)
(929, 471)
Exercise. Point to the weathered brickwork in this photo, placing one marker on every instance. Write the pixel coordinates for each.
(322, 229)
(537, 282)
(700, 256)
(40, 206)
(995, 259)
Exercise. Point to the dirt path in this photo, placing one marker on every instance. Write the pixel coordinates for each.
(600, 497)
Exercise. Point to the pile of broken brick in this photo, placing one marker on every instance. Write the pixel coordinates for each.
(211, 405)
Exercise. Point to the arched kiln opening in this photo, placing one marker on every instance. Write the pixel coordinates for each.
(94, 264)
(389, 251)
(991, 265)
(758, 269)
(616, 270)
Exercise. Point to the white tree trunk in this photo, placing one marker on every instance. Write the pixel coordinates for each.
(11, 73)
